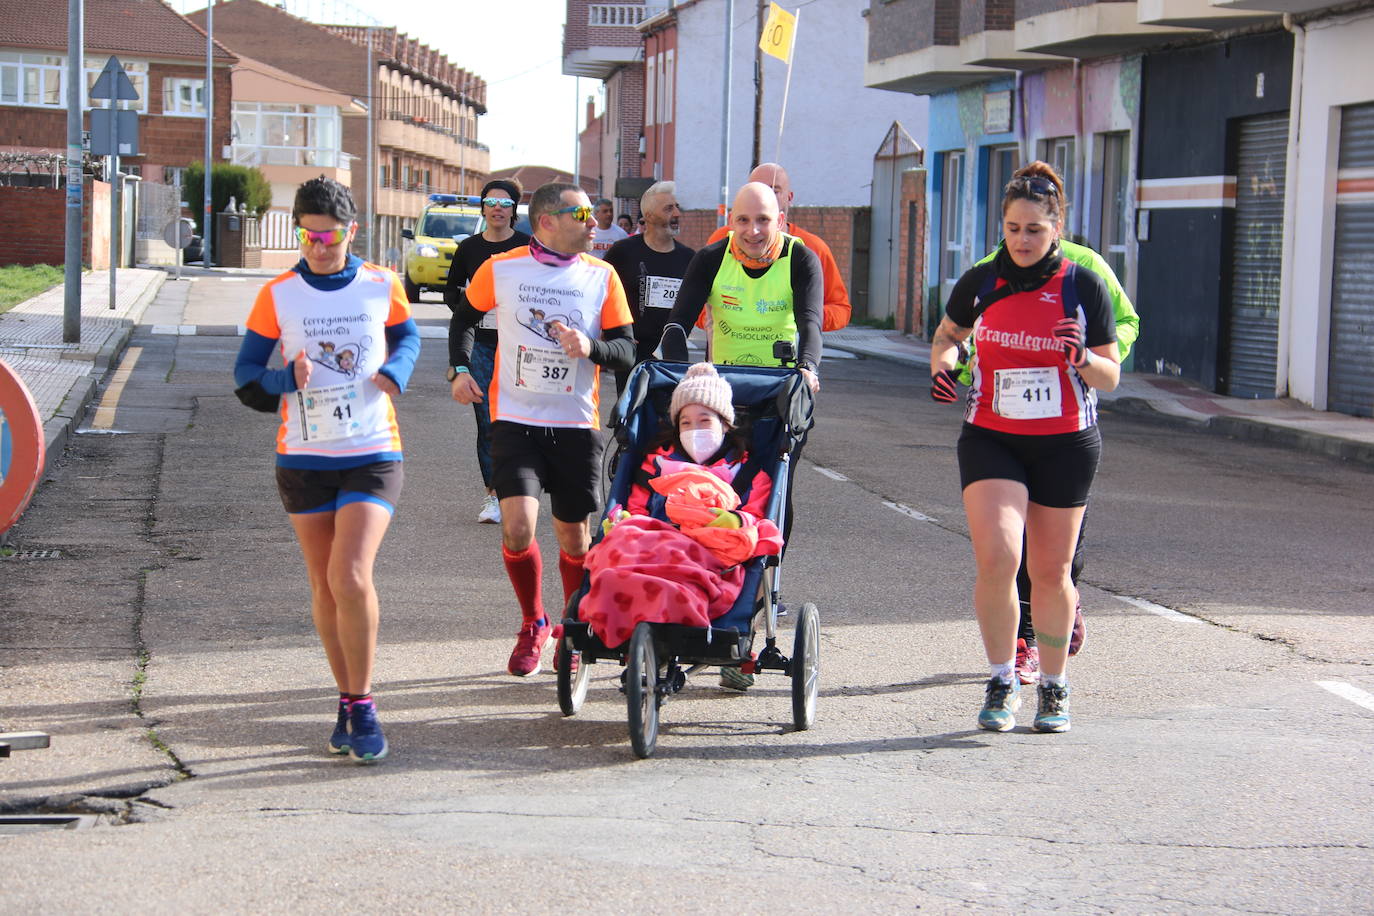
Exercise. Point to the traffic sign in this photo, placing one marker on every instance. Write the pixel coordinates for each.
(125, 142)
(177, 233)
(21, 447)
(114, 83)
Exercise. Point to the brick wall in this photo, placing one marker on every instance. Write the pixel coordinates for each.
(986, 15)
(275, 37)
(910, 314)
(900, 26)
(34, 228)
(1025, 9)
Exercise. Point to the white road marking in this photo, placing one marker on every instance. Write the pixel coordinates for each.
(1349, 692)
(1161, 610)
(833, 475)
(908, 511)
(233, 279)
(180, 330)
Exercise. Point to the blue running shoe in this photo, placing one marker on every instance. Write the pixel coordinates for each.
(1000, 702)
(338, 742)
(366, 743)
(1053, 715)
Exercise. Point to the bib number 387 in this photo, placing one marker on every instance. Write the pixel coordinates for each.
(545, 371)
(1026, 394)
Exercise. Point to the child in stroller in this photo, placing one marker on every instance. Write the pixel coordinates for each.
(697, 509)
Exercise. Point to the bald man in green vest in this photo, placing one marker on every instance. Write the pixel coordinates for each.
(758, 286)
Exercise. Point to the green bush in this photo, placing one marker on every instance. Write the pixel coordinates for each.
(245, 183)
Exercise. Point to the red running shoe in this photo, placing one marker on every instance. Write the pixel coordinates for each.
(1079, 632)
(530, 643)
(1027, 662)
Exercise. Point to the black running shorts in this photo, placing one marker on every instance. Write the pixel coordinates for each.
(564, 462)
(1057, 470)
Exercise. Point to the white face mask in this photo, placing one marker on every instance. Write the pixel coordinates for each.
(702, 443)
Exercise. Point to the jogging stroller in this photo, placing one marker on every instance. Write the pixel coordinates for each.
(774, 407)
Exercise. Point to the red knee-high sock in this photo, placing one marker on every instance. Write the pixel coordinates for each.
(570, 568)
(526, 569)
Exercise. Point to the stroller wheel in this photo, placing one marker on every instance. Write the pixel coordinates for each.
(806, 667)
(641, 691)
(574, 673)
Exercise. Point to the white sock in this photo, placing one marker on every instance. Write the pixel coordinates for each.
(1054, 680)
(1005, 671)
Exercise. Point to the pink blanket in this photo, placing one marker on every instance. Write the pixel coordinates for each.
(645, 569)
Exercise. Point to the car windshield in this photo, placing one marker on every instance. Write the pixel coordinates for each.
(449, 225)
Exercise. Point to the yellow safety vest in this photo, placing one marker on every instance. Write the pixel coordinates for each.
(745, 316)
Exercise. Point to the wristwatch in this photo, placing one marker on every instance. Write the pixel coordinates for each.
(453, 372)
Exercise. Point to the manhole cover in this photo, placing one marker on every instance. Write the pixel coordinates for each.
(15, 824)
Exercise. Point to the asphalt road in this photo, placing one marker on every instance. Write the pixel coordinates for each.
(170, 653)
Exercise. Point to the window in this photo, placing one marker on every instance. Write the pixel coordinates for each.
(1001, 165)
(665, 92)
(173, 175)
(952, 216)
(32, 79)
(270, 134)
(136, 71)
(650, 71)
(183, 96)
(1116, 201)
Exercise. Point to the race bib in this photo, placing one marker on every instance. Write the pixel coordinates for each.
(660, 292)
(330, 413)
(1026, 394)
(488, 321)
(543, 370)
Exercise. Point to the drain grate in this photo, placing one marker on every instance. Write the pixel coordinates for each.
(28, 554)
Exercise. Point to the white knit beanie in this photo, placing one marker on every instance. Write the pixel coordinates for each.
(701, 385)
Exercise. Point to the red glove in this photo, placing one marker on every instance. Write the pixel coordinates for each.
(1070, 334)
(944, 387)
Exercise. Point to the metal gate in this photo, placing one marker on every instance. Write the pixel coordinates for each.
(897, 153)
(1350, 365)
(1252, 338)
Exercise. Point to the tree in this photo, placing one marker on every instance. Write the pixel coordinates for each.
(245, 183)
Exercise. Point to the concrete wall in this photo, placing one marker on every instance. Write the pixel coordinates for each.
(1338, 70)
(834, 125)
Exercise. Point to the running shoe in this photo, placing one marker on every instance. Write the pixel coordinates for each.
(491, 511)
(1000, 701)
(1079, 631)
(338, 742)
(735, 679)
(530, 644)
(1053, 715)
(366, 743)
(1027, 662)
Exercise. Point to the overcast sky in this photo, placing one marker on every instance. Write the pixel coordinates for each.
(533, 110)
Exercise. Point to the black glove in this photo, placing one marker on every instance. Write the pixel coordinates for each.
(1068, 332)
(944, 387)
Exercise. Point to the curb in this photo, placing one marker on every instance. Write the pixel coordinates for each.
(57, 431)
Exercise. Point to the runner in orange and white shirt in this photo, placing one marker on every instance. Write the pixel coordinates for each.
(561, 316)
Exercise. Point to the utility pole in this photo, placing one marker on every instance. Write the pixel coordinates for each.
(725, 107)
(207, 259)
(757, 156)
(71, 273)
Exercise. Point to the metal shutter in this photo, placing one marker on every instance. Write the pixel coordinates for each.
(1257, 257)
(1350, 376)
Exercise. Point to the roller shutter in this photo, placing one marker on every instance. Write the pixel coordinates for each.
(1350, 376)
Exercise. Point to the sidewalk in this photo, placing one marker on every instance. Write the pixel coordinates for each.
(1280, 421)
(62, 377)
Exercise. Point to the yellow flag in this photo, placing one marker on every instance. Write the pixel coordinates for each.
(778, 33)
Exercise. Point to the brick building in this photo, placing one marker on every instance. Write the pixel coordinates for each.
(423, 115)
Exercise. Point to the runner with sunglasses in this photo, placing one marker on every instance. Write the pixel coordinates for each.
(1127, 330)
(1030, 445)
(344, 329)
(499, 198)
(561, 316)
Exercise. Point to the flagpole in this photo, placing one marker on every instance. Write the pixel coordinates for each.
(796, 24)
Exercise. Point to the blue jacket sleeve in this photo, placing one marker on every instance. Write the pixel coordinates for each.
(403, 348)
(251, 366)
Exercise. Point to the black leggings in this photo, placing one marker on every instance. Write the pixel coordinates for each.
(1023, 583)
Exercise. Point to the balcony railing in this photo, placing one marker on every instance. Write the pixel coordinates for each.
(618, 14)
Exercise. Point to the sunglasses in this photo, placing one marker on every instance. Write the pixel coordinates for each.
(579, 213)
(498, 201)
(1036, 185)
(327, 237)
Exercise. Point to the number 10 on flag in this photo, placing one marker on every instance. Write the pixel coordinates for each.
(778, 33)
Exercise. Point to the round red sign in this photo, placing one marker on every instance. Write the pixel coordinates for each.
(21, 447)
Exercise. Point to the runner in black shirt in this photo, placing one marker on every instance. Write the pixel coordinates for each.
(651, 266)
(499, 198)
